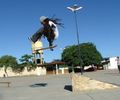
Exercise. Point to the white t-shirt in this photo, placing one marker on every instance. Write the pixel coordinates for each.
(55, 29)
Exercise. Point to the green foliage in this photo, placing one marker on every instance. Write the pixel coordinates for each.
(88, 55)
(25, 58)
(26, 61)
(70, 56)
(8, 61)
(19, 68)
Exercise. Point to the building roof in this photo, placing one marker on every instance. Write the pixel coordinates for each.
(52, 63)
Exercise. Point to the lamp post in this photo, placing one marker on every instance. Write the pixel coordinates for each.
(74, 9)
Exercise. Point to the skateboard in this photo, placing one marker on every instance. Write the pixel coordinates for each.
(50, 47)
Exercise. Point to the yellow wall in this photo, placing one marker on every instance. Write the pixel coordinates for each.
(37, 45)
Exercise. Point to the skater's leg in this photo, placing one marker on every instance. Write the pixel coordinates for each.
(50, 38)
(50, 43)
(37, 35)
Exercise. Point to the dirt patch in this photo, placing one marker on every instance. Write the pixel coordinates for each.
(82, 83)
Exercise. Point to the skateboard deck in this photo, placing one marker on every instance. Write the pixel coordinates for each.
(46, 48)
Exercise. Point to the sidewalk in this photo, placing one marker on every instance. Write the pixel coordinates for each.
(57, 87)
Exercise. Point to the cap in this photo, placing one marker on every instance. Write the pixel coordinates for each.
(42, 18)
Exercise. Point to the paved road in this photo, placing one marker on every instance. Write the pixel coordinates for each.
(52, 87)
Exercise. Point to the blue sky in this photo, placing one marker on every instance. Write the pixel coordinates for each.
(98, 22)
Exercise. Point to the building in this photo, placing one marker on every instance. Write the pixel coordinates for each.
(55, 67)
(110, 63)
(37, 52)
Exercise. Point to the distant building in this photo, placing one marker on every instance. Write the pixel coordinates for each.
(110, 63)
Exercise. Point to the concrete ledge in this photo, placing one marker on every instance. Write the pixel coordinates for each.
(82, 83)
(8, 83)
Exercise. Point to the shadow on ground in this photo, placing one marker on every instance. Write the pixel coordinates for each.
(68, 87)
(39, 85)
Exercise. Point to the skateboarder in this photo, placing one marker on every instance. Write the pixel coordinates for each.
(49, 30)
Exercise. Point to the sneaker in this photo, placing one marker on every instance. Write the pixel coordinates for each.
(51, 49)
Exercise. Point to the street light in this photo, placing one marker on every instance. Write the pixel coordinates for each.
(74, 9)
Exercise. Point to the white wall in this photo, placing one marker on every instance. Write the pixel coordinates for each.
(10, 73)
(113, 63)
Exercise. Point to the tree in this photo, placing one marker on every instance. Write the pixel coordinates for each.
(27, 62)
(19, 68)
(88, 55)
(25, 58)
(68, 55)
(8, 61)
